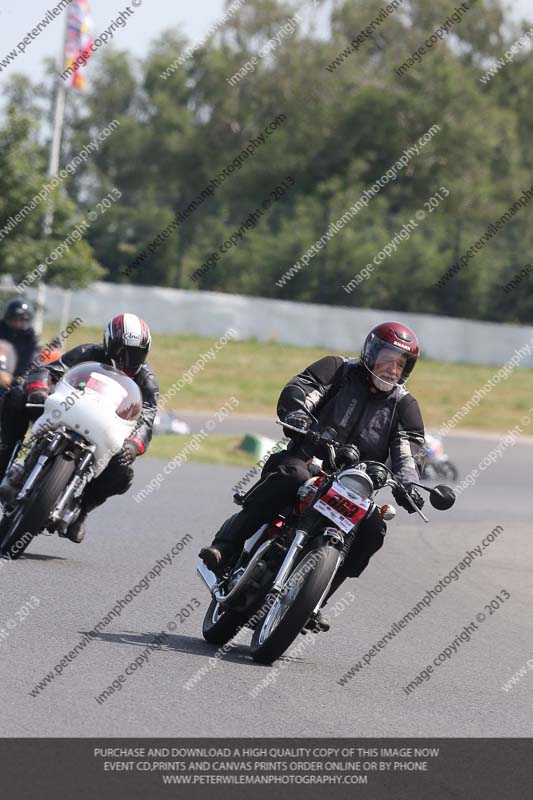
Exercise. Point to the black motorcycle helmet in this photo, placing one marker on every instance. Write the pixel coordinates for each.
(18, 314)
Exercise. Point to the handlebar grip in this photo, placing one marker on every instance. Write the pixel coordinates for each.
(314, 436)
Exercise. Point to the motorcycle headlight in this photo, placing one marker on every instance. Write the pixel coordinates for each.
(357, 481)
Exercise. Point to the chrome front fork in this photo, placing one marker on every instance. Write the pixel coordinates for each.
(38, 468)
(288, 562)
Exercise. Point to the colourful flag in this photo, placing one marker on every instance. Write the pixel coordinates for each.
(78, 40)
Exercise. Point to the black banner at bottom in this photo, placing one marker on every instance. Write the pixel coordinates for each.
(89, 769)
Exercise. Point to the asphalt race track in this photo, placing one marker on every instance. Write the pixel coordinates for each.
(75, 586)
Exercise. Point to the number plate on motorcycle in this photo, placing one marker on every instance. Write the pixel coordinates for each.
(342, 507)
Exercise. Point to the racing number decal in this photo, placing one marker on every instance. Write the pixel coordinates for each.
(344, 506)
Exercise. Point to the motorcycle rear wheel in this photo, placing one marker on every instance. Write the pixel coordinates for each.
(288, 613)
(19, 528)
(220, 624)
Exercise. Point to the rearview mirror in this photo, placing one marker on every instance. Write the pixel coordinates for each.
(442, 497)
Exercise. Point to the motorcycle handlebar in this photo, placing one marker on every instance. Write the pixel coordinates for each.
(316, 438)
(393, 480)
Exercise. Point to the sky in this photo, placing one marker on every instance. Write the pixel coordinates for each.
(149, 19)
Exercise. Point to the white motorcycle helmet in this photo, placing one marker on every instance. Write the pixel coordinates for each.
(127, 342)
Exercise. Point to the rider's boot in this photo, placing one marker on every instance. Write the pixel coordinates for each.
(76, 530)
(212, 558)
(319, 621)
(229, 541)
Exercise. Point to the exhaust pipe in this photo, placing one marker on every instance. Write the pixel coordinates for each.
(223, 598)
(208, 577)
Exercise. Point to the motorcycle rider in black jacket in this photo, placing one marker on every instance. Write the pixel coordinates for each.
(126, 344)
(366, 403)
(16, 328)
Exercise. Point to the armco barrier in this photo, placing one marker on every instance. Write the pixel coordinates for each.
(336, 328)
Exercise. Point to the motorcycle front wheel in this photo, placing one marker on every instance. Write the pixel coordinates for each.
(287, 613)
(18, 528)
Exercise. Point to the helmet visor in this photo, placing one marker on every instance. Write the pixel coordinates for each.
(19, 322)
(129, 359)
(390, 365)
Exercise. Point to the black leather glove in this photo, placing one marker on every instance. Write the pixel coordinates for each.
(298, 419)
(400, 495)
(128, 454)
(38, 396)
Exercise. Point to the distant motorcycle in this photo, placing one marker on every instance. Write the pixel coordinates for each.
(437, 463)
(92, 411)
(168, 422)
(286, 568)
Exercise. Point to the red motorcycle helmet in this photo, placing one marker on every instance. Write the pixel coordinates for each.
(396, 337)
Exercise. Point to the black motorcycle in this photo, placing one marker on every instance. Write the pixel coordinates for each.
(287, 567)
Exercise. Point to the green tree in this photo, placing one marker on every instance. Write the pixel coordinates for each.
(22, 177)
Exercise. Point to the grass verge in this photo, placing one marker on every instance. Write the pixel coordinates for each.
(215, 449)
(256, 372)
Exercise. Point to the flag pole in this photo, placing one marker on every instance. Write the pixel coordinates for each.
(53, 168)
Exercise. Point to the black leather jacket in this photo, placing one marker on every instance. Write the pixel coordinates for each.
(26, 344)
(339, 393)
(145, 380)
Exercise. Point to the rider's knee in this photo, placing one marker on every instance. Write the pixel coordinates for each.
(369, 539)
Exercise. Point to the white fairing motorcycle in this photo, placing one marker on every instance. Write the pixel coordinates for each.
(86, 420)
